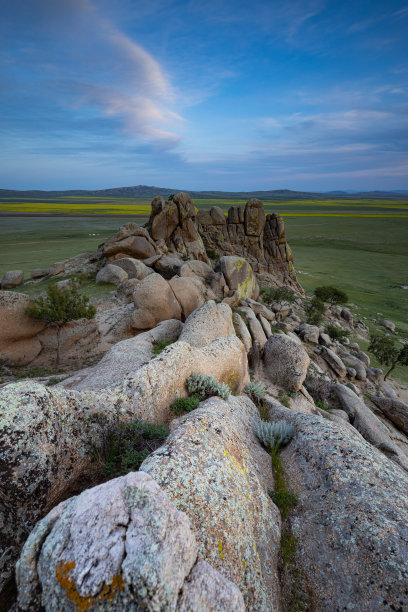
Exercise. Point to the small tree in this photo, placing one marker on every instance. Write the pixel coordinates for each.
(59, 306)
(331, 295)
(387, 352)
(277, 294)
(314, 311)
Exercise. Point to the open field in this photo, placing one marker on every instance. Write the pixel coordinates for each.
(360, 246)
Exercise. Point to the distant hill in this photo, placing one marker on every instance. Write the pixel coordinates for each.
(145, 191)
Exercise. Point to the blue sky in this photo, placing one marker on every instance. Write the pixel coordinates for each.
(204, 94)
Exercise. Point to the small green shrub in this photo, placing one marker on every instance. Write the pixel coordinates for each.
(284, 499)
(387, 352)
(274, 435)
(256, 390)
(314, 311)
(207, 386)
(331, 295)
(269, 295)
(159, 345)
(185, 404)
(337, 333)
(284, 399)
(212, 254)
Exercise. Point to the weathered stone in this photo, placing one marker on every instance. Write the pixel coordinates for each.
(351, 373)
(374, 374)
(350, 520)
(309, 333)
(395, 410)
(111, 274)
(242, 331)
(259, 308)
(346, 315)
(217, 216)
(121, 545)
(255, 327)
(364, 358)
(154, 302)
(131, 240)
(357, 365)
(285, 363)
(199, 269)
(238, 275)
(388, 325)
(126, 289)
(324, 340)
(168, 266)
(213, 468)
(57, 268)
(189, 292)
(266, 326)
(12, 278)
(207, 323)
(133, 267)
(19, 344)
(334, 361)
(38, 273)
(370, 427)
(209, 591)
(254, 218)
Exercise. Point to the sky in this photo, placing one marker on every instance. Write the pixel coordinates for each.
(204, 94)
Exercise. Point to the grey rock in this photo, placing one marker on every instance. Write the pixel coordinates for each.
(242, 331)
(214, 280)
(363, 357)
(285, 363)
(134, 268)
(57, 268)
(351, 373)
(388, 325)
(354, 345)
(356, 364)
(169, 265)
(395, 410)
(309, 333)
(111, 274)
(259, 308)
(126, 289)
(346, 315)
(387, 390)
(334, 361)
(189, 292)
(255, 327)
(341, 414)
(374, 374)
(154, 302)
(266, 326)
(38, 273)
(206, 590)
(324, 340)
(12, 278)
(206, 323)
(370, 427)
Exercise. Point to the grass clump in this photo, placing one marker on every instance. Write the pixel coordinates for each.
(185, 404)
(337, 333)
(160, 344)
(256, 390)
(207, 386)
(284, 399)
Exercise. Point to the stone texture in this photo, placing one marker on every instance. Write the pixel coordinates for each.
(126, 289)
(388, 325)
(12, 278)
(207, 590)
(266, 326)
(207, 323)
(154, 302)
(130, 241)
(38, 273)
(334, 361)
(168, 266)
(259, 309)
(239, 276)
(189, 292)
(57, 268)
(242, 331)
(309, 333)
(257, 237)
(214, 470)
(285, 363)
(395, 410)
(255, 327)
(19, 344)
(356, 364)
(133, 267)
(370, 426)
(123, 358)
(111, 274)
(351, 517)
(214, 280)
(119, 546)
(75, 336)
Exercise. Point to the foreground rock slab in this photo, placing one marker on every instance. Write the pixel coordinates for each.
(119, 546)
(351, 518)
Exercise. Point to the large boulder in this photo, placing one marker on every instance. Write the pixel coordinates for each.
(189, 292)
(123, 358)
(154, 302)
(309, 333)
(350, 520)
(207, 323)
(130, 241)
(213, 469)
(111, 274)
(119, 546)
(285, 363)
(239, 276)
(395, 410)
(388, 325)
(133, 267)
(370, 426)
(11, 279)
(334, 361)
(19, 344)
(214, 280)
(76, 337)
(255, 326)
(242, 331)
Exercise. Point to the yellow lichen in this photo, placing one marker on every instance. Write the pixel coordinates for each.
(62, 574)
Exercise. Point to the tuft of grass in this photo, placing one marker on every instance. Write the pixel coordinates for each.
(207, 386)
(337, 333)
(288, 546)
(185, 404)
(213, 255)
(54, 380)
(256, 390)
(274, 435)
(160, 344)
(281, 495)
(284, 399)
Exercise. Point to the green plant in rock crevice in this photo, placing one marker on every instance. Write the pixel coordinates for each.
(160, 344)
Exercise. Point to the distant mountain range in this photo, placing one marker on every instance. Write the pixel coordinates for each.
(145, 191)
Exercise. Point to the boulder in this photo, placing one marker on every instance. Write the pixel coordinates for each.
(168, 266)
(131, 240)
(75, 338)
(189, 292)
(259, 309)
(217, 216)
(350, 519)
(126, 289)
(207, 323)
(19, 344)
(213, 468)
(395, 410)
(242, 331)
(309, 333)
(356, 364)
(387, 390)
(374, 374)
(57, 268)
(346, 315)
(121, 545)
(363, 357)
(254, 218)
(239, 276)
(123, 358)
(154, 302)
(388, 325)
(334, 361)
(199, 269)
(133, 267)
(370, 426)
(266, 326)
(255, 327)
(285, 363)
(38, 273)
(12, 278)
(325, 340)
(111, 274)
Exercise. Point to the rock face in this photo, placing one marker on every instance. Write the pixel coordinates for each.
(200, 270)
(189, 292)
(19, 344)
(12, 278)
(239, 276)
(174, 224)
(213, 469)
(207, 323)
(334, 361)
(119, 546)
(154, 302)
(351, 517)
(257, 237)
(130, 241)
(111, 274)
(133, 267)
(80, 334)
(395, 410)
(285, 363)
